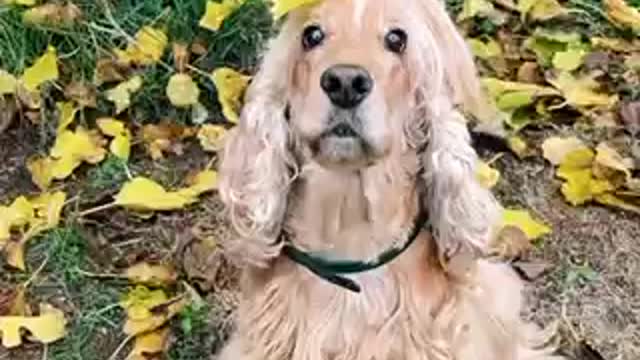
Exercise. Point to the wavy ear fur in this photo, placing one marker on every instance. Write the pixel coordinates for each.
(256, 167)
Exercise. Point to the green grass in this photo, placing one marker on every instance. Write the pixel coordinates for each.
(96, 315)
(109, 174)
(194, 339)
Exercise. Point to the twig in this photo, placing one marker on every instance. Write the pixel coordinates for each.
(117, 351)
(97, 209)
(100, 276)
(36, 273)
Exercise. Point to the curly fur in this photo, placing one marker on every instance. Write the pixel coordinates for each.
(439, 300)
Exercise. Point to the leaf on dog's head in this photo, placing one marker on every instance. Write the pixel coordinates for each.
(283, 7)
(231, 86)
(217, 12)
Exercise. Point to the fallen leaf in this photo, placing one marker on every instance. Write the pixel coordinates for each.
(82, 93)
(583, 91)
(44, 69)
(148, 310)
(556, 148)
(181, 56)
(149, 344)
(74, 147)
(616, 44)
(47, 208)
(486, 175)
(581, 186)
(121, 94)
(142, 194)
(46, 328)
(154, 275)
(147, 48)
(529, 72)
(540, 10)
(569, 60)
(15, 216)
(121, 143)
(630, 115)
(607, 157)
(8, 83)
(164, 137)
(211, 137)
(485, 49)
(623, 15)
(52, 14)
(108, 70)
(217, 12)
(20, 2)
(518, 146)
(67, 112)
(477, 8)
(511, 243)
(202, 182)
(231, 86)
(283, 7)
(182, 91)
(522, 220)
(545, 43)
(618, 202)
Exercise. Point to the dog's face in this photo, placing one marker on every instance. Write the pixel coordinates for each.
(350, 86)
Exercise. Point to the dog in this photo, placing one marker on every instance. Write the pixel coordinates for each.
(350, 182)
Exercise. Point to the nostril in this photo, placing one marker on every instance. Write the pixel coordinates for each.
(331, 83)
(361, 84)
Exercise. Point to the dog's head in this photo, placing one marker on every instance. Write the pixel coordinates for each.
(343, 85)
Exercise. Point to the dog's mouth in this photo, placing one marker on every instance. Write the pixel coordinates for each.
(341, 130)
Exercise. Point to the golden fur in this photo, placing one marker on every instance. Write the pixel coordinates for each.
(438, 300)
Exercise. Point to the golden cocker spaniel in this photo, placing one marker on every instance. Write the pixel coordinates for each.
(350, 181)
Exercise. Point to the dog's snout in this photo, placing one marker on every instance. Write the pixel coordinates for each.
(346, 85)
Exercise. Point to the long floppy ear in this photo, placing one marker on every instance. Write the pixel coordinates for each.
(459, 70)
(462, 212)
(255, 171)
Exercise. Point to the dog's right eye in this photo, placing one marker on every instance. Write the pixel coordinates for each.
(312, 36)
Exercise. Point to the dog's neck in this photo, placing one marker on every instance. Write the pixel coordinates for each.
(354, 213)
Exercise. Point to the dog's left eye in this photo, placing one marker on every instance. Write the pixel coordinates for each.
(396, 41)
(312, 36)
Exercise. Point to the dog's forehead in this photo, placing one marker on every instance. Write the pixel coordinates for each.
(358, 14)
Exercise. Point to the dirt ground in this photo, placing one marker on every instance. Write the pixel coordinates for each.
(591, 290)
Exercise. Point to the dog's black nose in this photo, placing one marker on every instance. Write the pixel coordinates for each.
(346, 85)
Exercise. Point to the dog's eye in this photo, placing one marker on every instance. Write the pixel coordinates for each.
(396, 41)
(312, 36)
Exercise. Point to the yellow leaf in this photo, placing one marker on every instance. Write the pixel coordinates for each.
(148, 310)
(510, 95)
(155, 275)
(16, 215)
(67, 112)
(41, 170)
(556, 148)
(485, 49)
(518, 146)
(147, 49)
(203, 182)
(623, 15)
(72, 148)
(486, 175)
(608, 157)
(581, 186)
(121, 94)
(47, 209)
(473, 8)
(44, 69)
(142, 194)
(149, 344)
(20, 2)
(523, 221)
(615, 201)
(569, 60)
(541, 9)
(231, 86)
(46, 328)
(582, 92)
(182, 91)
(615, 44)
(211, 136)
(217, 12)
(121, 143)
(164, 137)
(282, 7)
(8, 83)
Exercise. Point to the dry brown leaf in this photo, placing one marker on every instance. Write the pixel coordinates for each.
(181, 56)
(53, 14)
(82, 93)
(630, 115)
(511, 243)
(108, 70)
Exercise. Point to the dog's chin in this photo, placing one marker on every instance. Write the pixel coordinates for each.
(342, 153)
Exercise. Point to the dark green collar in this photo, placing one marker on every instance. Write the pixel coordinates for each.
(333, 269)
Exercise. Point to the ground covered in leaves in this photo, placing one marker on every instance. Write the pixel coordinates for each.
(111, 112)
